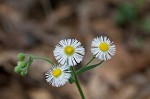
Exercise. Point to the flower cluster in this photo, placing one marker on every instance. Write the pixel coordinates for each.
(70, 52)
(22, 65)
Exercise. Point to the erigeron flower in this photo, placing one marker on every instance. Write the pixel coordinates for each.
(69, 51)
(103, 48)
(58, 75)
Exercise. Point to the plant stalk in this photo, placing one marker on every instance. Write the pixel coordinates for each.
(77, 83)
(89, 61)
(44, 59)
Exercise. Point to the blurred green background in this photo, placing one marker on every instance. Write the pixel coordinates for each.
(36, 26)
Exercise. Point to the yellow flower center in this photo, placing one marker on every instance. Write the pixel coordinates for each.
(56, 73)
(69, 50)
(104, 46)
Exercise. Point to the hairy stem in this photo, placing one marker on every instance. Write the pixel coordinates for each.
(89, 61)
(77, 83)
(41, 58)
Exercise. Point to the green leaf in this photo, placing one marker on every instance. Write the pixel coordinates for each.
(84, 69)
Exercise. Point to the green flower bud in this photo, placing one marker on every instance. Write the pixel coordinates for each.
(71, 80)
(22, 64)
(17, 69)
(21, 56)
(23, 73)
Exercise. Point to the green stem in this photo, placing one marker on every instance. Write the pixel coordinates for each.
(41, 58)
(29, 62)
(89, 61)
(77, 83)
(44, 59)
(84, 69)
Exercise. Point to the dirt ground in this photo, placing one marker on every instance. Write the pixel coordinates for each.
(36, 26)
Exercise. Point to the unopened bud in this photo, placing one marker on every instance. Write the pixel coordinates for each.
(23, 73)
(22, 64)
(17, 69)
(21, 56)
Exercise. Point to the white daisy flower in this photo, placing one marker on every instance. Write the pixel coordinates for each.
(70, 51)
(58, 75)
(103, 48)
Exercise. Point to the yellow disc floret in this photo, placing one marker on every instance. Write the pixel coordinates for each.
(104, 46)
(69, 50)
(56, 73)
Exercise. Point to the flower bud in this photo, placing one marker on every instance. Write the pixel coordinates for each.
(21, 56)
(17, 69)
(71, 80)
(22, 64)
(23, 73)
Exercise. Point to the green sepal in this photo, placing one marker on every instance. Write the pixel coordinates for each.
(21, 56)
(25, 70)
(29, 62)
